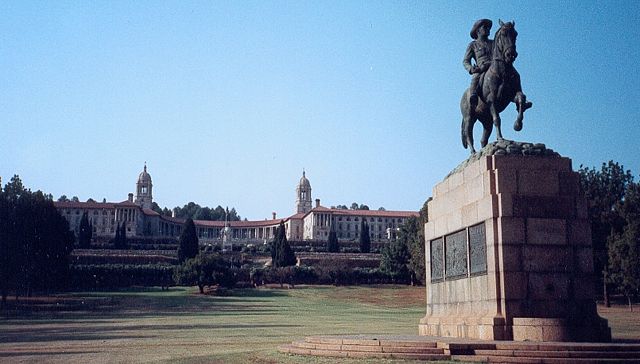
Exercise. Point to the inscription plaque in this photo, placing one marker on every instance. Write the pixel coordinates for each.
(456, 255)
(437, 264)
(477, 249)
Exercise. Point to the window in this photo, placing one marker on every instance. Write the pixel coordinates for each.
(357, 219)
(379, 219)
(340, 218)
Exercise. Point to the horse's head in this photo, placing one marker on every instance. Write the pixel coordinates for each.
(504, 46)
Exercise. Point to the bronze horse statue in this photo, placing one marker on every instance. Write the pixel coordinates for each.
(497, 87)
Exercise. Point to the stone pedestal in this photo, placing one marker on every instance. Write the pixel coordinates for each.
(508, 253)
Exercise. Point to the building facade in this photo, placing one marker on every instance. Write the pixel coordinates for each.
(308, 223)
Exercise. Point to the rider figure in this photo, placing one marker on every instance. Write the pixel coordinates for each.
(480, 50)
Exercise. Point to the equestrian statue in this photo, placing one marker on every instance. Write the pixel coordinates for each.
(494, 82)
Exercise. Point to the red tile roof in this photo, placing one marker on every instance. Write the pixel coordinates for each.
(92, 205)
(367, 213)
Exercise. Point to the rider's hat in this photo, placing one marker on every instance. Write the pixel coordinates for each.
(477, 25)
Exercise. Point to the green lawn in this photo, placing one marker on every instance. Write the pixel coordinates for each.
(182, 326)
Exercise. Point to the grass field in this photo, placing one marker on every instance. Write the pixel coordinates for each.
(182, 326)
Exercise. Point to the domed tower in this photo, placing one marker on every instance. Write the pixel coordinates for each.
(144, 197)
(303, 195)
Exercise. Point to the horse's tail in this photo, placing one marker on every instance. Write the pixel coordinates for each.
(464, 104)
(463, 134)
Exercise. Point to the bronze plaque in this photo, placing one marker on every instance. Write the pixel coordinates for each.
(437, 263)
(456, 255)
(477, 250)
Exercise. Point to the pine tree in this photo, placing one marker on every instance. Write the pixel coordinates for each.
(365, 239)
(116, 239)
(332, 243)
(84, 233)
(396, 256)
(281, 253)
(123, 236)
(188, 242)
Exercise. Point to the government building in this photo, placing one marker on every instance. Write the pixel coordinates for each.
(310, 221)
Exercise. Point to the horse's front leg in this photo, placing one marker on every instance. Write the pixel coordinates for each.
(521, 104)
(496, 120)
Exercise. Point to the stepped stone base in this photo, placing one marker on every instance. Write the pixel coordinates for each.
(508, 250)
(428, 348)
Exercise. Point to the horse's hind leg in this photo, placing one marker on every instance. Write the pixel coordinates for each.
(467, 131)
(496, 120)
(486, 132)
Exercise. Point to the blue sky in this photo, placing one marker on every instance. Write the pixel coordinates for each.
(228, 101)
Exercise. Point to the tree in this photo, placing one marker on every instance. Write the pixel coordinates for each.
(395, 257)
(84, 233)
(624, 255)
(63, 198)
(205, 270)
(332, 243)
(415, 229)
(281, 253)
(188, 242)
(381, 208)
(365, 238)
(120, 240)
(354, 206)
(624, 247)
(196, 212)
(604, 190)
(75, 199)
(155, 207)
(35, 241)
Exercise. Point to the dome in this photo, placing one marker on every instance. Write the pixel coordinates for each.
(144, 176)
(304, 182)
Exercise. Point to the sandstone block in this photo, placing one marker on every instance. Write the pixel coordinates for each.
(487, 207)
(584, 260)
(471, 171)
(429, 231)
(511, 230)
(455, 180)
(552, 258)
(454, 222)
(474, 190)
(470, 214)
(544, 207)
(546, 231)
(548, 286)
(538, 183)
(511, 258)
(440, 189)
(506, 181)
(515, 286)
(569, 183)
(531, 163)
(505, 204)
